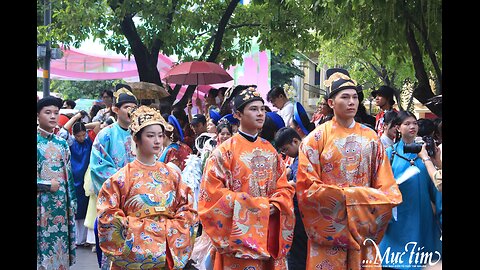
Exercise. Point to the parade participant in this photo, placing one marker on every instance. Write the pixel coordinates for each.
(80, 150)
(246, 203)
(287, 140)
(56, 201)
(300, 122)
(273, 122)
(345, 186)
(112, 147)
(417, 221)
(383, 99)
(224, 131)
(145, 211)
(176, 151)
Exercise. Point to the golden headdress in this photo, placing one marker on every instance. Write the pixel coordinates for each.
(143, 116)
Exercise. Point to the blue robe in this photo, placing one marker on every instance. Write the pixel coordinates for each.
(111, 150)
(80, 158)
(417, 226)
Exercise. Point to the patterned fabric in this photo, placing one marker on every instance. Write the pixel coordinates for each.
(146, 218)
(379, 121)
(176, 153)
(112, 149)
(417, 222)
(240, 180)
(345, 191)
(55, 210)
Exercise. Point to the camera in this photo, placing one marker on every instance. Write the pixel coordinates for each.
(416, 147)
(110, 120)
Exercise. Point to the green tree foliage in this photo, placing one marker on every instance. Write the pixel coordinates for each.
(212, 30)
(79, 89)
(282, 72)
(397, 40)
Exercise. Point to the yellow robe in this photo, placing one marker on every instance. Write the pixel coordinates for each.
(346, 191)
(241, 178)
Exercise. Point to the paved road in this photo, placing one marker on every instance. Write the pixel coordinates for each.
(86, 259)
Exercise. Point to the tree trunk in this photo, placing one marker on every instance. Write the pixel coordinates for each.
(222, 25)
(423, 91)
(146, 62)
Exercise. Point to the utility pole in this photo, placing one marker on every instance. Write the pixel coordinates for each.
(47, 17)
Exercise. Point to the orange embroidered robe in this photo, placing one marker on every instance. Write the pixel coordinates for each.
(146, 218)
(240, 180)
(346, 192)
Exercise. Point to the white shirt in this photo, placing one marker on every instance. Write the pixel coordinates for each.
(386, 141)
(286, 112)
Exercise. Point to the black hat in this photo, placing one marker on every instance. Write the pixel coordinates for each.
(330, 71)
(246, 96)
(232, 94)
(49, 101)
(122, 95)
(198, 118)
(339, 81)
(385, 91)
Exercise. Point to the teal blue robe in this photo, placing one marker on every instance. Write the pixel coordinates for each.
(111, 150)
(417, 227)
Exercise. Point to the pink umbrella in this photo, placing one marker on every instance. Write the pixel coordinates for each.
(197, 73)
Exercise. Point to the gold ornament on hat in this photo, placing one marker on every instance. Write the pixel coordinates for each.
(338, 75)
(144, 116)
(122, 90)
(249, 93)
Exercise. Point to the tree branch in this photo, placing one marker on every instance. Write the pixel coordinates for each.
(235, 26)
(217, 44)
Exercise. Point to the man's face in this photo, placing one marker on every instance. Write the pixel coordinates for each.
(253, 115)
(122, 113)
(291, 149)
(107, 100)
(199, 128)
(380, 101)
(345, 103)
(48, 117)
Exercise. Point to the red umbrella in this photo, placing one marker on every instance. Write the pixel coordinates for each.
(197, 73)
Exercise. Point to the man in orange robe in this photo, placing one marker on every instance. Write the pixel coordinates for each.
(345, 186)
(246, 203)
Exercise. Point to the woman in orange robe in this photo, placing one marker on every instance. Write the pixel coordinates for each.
(246, 203)
(145, 212)
(345, 187)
